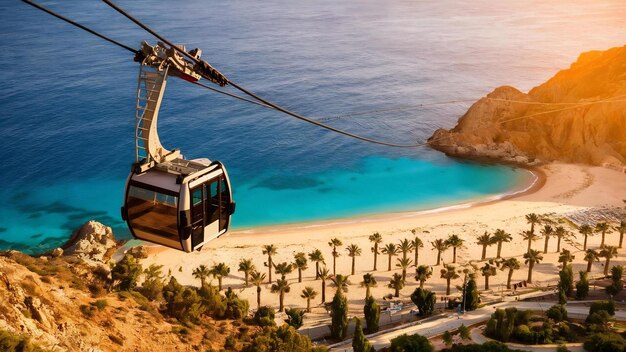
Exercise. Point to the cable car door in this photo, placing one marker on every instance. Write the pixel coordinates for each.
(197, 215)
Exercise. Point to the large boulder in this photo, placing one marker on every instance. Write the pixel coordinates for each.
(91, 242)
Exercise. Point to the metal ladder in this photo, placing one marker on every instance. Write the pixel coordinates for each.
(150, 87)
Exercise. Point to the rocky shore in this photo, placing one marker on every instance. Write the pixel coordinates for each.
(578, 116)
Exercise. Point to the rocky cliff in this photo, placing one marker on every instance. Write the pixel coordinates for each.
(577, 116)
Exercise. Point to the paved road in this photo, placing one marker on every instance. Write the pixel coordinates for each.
(453, 322)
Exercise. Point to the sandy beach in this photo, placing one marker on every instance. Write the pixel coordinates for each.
(564, 189)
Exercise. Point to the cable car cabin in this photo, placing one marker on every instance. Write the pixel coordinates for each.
(179, 204)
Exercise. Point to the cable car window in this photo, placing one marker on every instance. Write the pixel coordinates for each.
(197, 196)
(152, 213)
(213, 201)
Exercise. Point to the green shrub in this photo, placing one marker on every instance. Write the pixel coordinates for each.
(10, 342)
(424, 300)
(372, 315)
(447, 338)
(406, 343)
(295, 317)
(359, 342)
(236, 308)
(87, 310)
(608, 306)
(339, 315)
(126, 273)
(279, 339)
(230, 342)
(605, 342)
(557, 313)
(101, 304)
(616, 285)
(264, 316)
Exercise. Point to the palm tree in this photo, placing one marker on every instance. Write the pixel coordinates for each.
(341, 282)
(257, 279)
(547, 231)
(586, 231)
(439, 245)
(484, 240)
(566, 257)
(417, 244)
(532, 257)
(449, 273)
(317, 257)
(560, 232)
(283, 269)
(603, 228)
(404, 263)
(533, 219)
(201, 273)
(334, 243)
(423, 273)
(219, 271)
(324, 274)
(406, 246)
(621, 229)
(391, 250)
(608, 252)
(353, 252)
(376, 239)
(246, 266)
(455, 242)
(489, 269)
(368, 282)
(501, 236)
(300, 264)
(269, 250)
(308, 293)
(530, 237)
(590, 256)
(396, 283)
(281, 287)
(511, 264)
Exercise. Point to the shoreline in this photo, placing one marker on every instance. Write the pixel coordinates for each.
(537, 183)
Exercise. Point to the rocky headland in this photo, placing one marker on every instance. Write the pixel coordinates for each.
(577, 116)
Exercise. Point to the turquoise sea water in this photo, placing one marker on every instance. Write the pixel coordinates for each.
(67, 102)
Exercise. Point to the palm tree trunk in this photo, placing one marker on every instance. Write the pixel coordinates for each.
(606, 266)
(353, 258)
(280, 299)
(486, 282)
(499, 248)
(389, 263)
(246, 278)
(558, 245)
(219, 283)
(530, 272)
(334, 263)
(299, 275)
(269, 267)
(545, 246)
(484, 252)
(422, 284)
(454, 255)
(448, 288)
(438, 257)
(602, 243)
(308, 305)
(323, 291)
(529, 242)
(397, 293)
(621, 238)
(403, 274)
(589, 266)
(258, 297)
(317, 270)
(375, 255)
(367, 291)
(416, 257)
(508, 281)
(585, 244)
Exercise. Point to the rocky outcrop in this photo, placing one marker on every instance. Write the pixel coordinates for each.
(91, 242)
(577, 116)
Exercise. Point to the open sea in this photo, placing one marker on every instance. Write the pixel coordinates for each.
(384, 69)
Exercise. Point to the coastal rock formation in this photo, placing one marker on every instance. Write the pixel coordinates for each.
(577, 116)
(91, 243)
